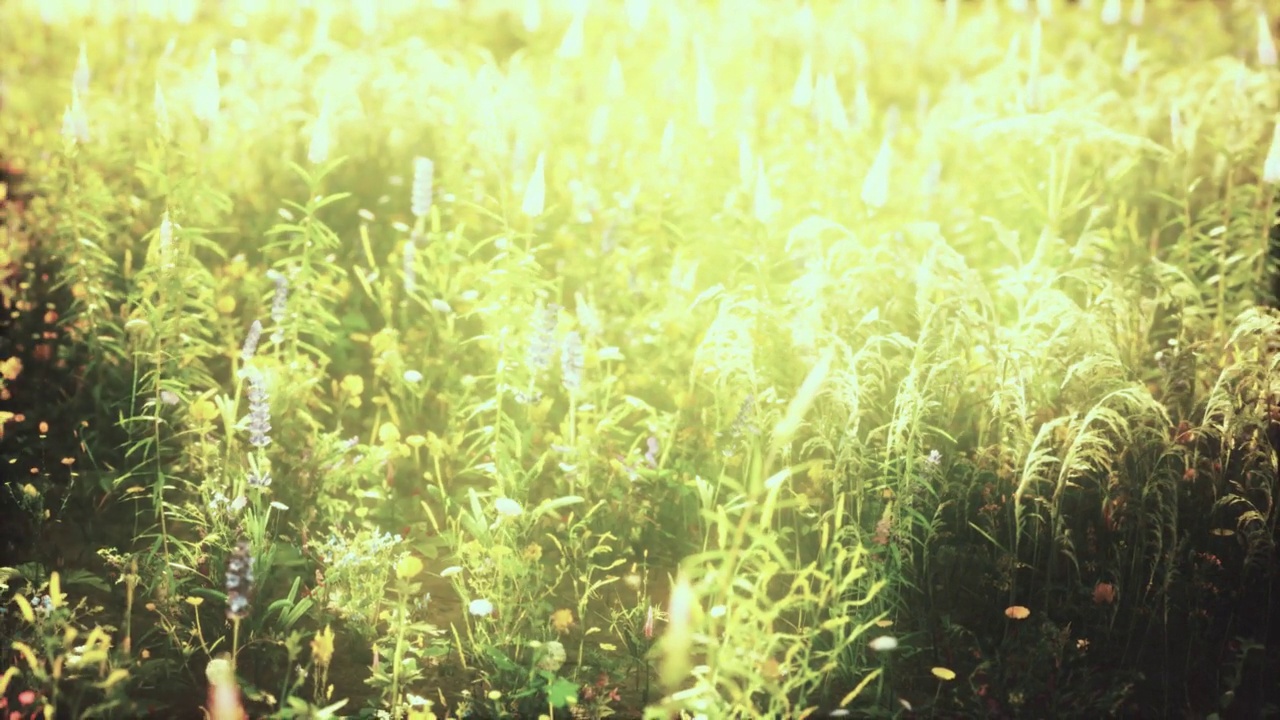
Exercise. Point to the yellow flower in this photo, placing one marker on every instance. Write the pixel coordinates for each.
(389, 433)
(562, 620)
(24, 607)
(11, 368)
(30, 491)
(416, 441)
(226, 304)
(943, 673)
(408, 567)
(532, 552)
(353, 386)
(237, 267)
(193, 601)
(203, 411)
(1016, 612)
(322, 646)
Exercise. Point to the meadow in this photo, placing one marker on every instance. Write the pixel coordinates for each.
(639, 358)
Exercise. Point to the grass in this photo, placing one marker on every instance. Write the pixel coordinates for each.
(664, 359)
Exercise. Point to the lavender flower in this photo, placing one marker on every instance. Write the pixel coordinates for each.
(279, 305)
(423, 170)
(251, 341)
(542, 346)
(239, 581)
(571, 362)
(259, 412)
(742, 424)
(651, 455)
(259, 478)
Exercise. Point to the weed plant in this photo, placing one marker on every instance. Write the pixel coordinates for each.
(661, 358)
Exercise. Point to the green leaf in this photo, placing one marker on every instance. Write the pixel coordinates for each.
(84, 578)
(561, 692)
(500, 660)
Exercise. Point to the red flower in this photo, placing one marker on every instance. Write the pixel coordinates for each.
(26, 697)
(1104, 593)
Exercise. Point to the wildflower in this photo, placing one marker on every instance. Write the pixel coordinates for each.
(238, 504)
(353, 387)
(875, 187)
(1104, 593)
(1129, 63)
(507, 507)
(225, 304)
(450, 571)
(572, 42)
(259, 412)
(75, 123)
(884, 643)
(802, 91)
(648, 623)
(651, 453)
(1138, 12)
(935, 457)
(408, 567)
(80, 79)
(1266, 43)
(542, 345)
(202, 411)
(553, 656)
(162, 113)
(944, 674)
(441, 306)
(388, 434)
(1111, 10)
(764, 205)
(321, 137)
(11, 368)
(535, 193)
(531, 18)
(259, 478)
(742, 424)
(279, 305)
(571, 362)
(251, 340)
(412, 376)
(423, 180)
(1176, 126)
(224, 693)
(480, 608)
(667, 149)
(532, 552)
(239, 581)
(209, 95)
(1017, 612)
(562, 620)
(705, 90)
